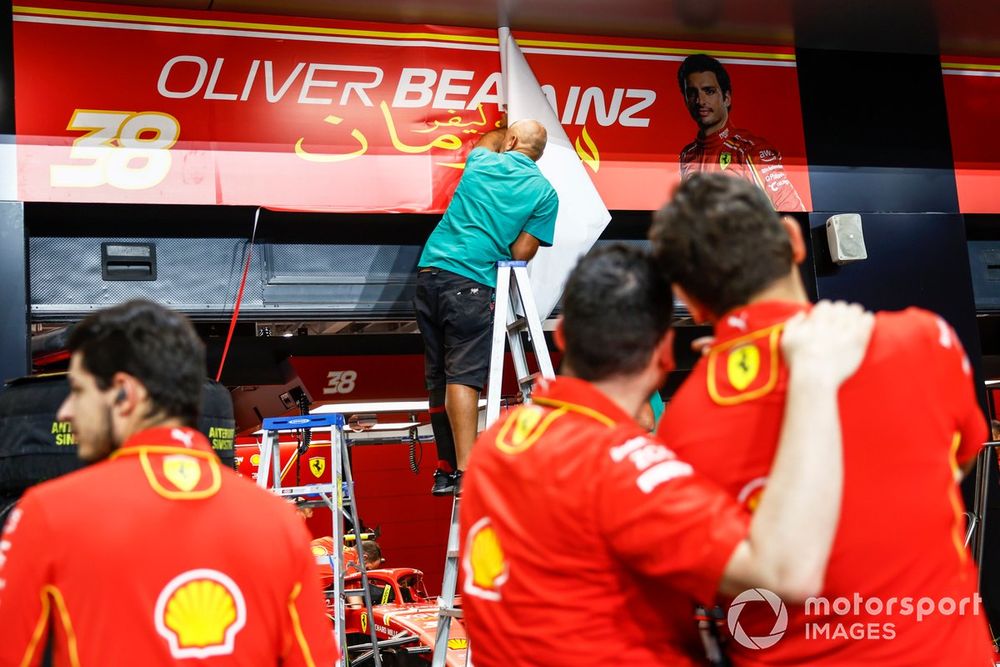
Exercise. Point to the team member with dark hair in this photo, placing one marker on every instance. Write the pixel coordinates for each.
(910, 422)
(503, 208)
(708, 94)
(155, 553)
(575, 520)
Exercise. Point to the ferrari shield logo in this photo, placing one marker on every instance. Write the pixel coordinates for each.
(525, 423)
(524, 427)
(364, 622)
(317, 465)
(725, 159)
(743, 366)
(184, 472)
(744, 369)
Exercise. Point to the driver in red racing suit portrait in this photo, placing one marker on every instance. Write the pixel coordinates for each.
(719, 147)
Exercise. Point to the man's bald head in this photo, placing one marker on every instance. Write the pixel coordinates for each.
(528, 137)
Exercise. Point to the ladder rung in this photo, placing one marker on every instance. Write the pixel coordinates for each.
(527, 379)
(354, 591)
(519, 324)
(416, 650)
(451, 612)
(398, 640)
(310, 490)
(453, 553)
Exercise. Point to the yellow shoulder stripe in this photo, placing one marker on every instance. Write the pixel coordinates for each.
(300, 636)
(48, 592)
(573, 407)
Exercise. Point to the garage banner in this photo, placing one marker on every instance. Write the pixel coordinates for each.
(972, 94)
(154, 105)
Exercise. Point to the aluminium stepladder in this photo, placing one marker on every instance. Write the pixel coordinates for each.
(515, 313)
(341, 504)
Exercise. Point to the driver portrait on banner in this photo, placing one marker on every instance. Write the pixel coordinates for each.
(719, 146)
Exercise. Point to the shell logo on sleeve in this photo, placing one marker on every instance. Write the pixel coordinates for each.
(485, 565)
(751, 493)
(199, 613)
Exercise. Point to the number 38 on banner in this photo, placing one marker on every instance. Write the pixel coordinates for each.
(126, 150)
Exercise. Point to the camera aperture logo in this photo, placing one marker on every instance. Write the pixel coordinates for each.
(780, 618)
(844, 618)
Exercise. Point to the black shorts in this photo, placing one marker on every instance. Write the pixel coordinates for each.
(455, 316)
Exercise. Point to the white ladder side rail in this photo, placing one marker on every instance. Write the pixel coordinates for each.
(515, 312)
(332, 494)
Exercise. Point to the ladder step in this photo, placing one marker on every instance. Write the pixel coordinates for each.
(453, 553)
(354, 591)
(451, 612)
(416, 650)
(527, 379)
(519, 324)
(308, 490)
(398, 640)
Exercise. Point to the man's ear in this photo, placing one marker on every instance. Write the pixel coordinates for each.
(798, 244)
(699, 313)
(509, 141)
(127, 392)
(559, 336)
(665, 352)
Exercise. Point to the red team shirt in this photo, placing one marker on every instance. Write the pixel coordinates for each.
(909, 419)
(159, 556)
(743, 155)
(574, 522)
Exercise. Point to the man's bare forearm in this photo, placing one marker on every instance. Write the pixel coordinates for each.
(524, 247)
(793, 528)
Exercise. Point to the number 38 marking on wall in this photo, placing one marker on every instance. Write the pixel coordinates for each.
(340, 382)
(126, 150)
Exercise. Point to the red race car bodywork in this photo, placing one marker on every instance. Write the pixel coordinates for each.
(401, 608)
(408, 613)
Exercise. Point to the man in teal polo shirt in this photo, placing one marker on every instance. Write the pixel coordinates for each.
(503, 208)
